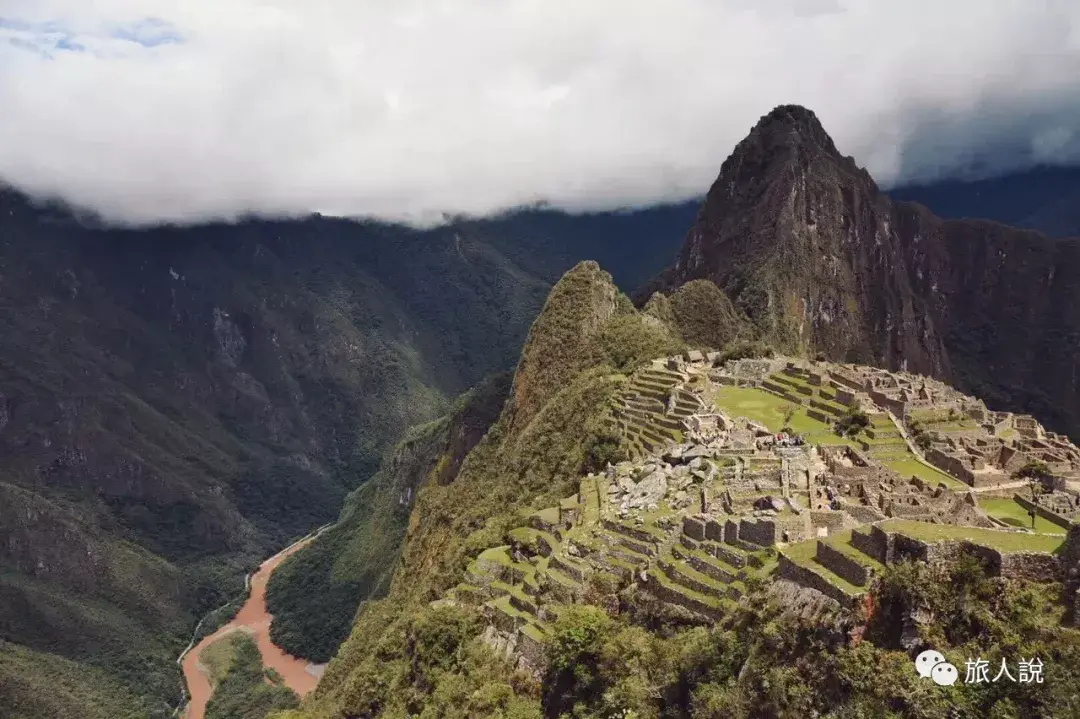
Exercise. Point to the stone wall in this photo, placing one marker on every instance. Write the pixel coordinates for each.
(674, 574)
(1070, 562)
(710, 570)
(950, 465)
(531, 651)
(863, 514)
(724, 554)
(874, 543)
(670, 596)
(1031, 565)
(807, 578)
(694, 528)
(758, 531)
(639, 534)
(566, 568)
(882, 400)
(843, 566)
(833, 520)
(1043, 512)
(714, 530)
(797, 527)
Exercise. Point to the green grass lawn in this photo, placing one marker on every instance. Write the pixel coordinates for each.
(1010, 511)
(1001, 540)
(768, 409)
(911, 466)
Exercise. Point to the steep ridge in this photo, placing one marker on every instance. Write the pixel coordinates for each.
(552, 425)
(804, 243)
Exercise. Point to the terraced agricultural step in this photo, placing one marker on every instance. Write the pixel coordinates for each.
(799, 564)
(471, 594)
(653, 383)
(639, 532)
(681, 573)
(729, 554)
(518, 598)
(865, 563)
(570, 567)
(645, 549)
(709, 608)
(617, 566)
(644, 418)
(660, 375)
(645, 404)
(564, 587)
(774, 387)
(534, 541)
(504, 615)
(707, 564)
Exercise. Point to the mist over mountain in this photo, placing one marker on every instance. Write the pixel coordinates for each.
(149, 112)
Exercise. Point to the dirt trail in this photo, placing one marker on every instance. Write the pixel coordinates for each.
(300, 675)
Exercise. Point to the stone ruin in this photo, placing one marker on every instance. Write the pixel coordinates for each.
(709, 501)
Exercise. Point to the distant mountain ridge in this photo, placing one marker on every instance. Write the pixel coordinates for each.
(805, 244)
(1046, 199)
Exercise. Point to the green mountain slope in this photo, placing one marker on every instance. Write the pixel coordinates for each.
(585, 338)
(177, 402)
(314, 594)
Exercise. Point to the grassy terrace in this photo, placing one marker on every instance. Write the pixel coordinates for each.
(1002, 540)
(1009, 511)
(911, 466)
(805, 555)
(665, 581)
(768, 409)
(842, 543)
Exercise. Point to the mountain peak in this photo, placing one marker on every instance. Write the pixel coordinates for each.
(795, 125)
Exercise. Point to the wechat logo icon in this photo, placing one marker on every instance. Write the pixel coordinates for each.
(931, 664)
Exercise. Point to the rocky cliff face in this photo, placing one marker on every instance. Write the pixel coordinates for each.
(822, 262)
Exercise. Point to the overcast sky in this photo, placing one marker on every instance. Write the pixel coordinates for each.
(161, 110)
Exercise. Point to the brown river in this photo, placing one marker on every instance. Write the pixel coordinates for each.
(300, 675)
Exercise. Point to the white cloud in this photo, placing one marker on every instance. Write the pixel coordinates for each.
(150, 110)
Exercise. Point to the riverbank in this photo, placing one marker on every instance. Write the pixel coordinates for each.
(254, 618)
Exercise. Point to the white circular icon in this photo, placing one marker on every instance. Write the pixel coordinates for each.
(925, 662)
(944, 674)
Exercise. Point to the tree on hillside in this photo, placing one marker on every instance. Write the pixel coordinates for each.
(1038, 476)
(852, 423)
(789, 411)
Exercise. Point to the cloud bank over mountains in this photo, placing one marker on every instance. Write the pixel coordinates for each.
(152, 110)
